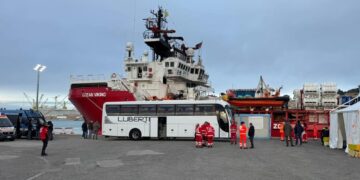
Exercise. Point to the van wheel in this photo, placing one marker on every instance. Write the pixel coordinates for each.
(135, 134)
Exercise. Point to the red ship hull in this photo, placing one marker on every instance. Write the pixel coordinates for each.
(89, 101)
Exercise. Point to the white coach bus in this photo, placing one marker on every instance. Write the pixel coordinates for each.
(164, 119)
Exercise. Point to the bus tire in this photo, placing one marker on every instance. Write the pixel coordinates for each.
(135, 134)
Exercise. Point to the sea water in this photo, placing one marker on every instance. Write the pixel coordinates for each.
(65, 123)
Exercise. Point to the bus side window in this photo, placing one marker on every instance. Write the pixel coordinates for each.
(129, 110)
(147, 110)
(205, 109)
(166, 109)
(185, 109)
(112, 110)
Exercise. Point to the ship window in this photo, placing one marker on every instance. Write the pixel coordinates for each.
(145, 68)
(171, 64)
(147, 109)
(166, 109)
(129, 110)
(179, 66)
(205, 109)
(196, 71)
(185, 109)
(112, 110)
(192, 70)
(166, 64)
(170, 71)
(128, 68)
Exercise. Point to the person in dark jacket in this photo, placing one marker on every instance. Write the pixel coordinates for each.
(51, 128)
(287, 131)
(90, 129)
(324, 133)
(298, 132)
(84, 128)
(30, 128)
(251, 134)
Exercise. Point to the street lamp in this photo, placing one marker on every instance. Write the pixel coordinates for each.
(39, 68)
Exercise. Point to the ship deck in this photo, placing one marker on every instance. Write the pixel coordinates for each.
(71, 157)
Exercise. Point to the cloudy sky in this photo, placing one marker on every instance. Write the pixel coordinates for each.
(288, 42)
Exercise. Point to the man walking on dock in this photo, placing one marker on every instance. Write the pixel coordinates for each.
(96, 128)
(251, 135)
(287, 131)
(90, 129)
(84, 129)
(44, 138)
(298, 132)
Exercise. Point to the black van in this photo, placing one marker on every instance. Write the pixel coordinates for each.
(23, 120)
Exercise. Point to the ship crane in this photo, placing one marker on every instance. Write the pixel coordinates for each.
(31, 103)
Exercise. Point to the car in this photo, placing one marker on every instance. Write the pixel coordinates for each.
(7, 130)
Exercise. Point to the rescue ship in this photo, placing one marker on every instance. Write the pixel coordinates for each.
(172, 71)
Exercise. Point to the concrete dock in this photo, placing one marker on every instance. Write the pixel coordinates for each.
(70, 157)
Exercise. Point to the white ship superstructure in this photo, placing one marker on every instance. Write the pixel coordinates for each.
(172, 72)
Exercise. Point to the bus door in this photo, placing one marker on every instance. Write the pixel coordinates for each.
(161, 127)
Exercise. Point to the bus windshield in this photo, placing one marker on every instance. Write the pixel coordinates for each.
(229, 112)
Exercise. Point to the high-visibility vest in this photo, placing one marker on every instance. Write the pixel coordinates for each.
(281, 127)
(210, 131)
(233, 128)
(242, 129)
(197, 131)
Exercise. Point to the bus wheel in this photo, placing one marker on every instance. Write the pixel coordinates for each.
(135, 134)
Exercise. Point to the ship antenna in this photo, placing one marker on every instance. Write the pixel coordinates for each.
(134, 27)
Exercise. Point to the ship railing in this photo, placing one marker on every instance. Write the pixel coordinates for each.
(87, 78)
(148, 34)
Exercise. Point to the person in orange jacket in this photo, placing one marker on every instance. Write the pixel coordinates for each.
(198, 136)
(210, 132)
(242, 132)
(233, 129)
(281, 128)
(44, 138)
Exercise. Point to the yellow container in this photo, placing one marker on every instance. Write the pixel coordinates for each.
(354, 147)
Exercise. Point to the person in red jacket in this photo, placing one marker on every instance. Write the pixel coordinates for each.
(233, 129)
(44, 138)
(242, 131)
(198, 136)
(210, 132)
(203, 133)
